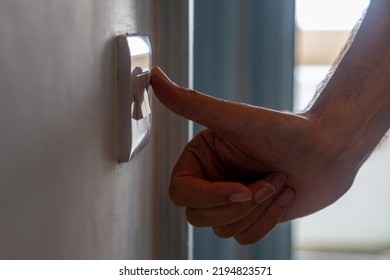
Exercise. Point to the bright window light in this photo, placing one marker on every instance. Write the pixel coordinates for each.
(329, 14)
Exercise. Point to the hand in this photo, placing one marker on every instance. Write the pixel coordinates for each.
(242, 145)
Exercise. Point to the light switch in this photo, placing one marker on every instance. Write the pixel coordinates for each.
(134, 95)
(141, 99)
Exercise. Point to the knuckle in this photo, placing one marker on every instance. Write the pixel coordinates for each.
(223, 232)
(175, 196)
(194, 218)
(176, 200)
(243, 239)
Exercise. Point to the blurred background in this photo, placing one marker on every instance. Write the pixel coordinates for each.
(274, 54)
(358, 225)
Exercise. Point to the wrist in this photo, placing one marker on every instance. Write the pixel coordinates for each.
(347, 138)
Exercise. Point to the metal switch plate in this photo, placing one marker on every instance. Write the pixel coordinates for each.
(134, 95)
(141, 99)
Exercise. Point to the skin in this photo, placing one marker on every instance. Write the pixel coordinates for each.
(244, 174)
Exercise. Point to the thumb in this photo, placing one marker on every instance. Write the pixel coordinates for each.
(216, 114)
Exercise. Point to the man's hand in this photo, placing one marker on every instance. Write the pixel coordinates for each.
(233, 159)
(319, 151)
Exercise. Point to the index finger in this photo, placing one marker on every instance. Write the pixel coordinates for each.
(198, 107)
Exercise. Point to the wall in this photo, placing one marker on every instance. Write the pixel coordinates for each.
(62, 193)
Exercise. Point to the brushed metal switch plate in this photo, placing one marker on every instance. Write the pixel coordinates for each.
(134, 94)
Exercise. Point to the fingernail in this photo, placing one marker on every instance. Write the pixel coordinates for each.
(239, 197)
(264, 192)
(286, 197)
(277, 180)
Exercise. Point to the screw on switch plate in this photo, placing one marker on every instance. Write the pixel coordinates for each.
(134, 94)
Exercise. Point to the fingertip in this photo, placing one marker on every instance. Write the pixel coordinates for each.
(286, 197)
(191, 104)
(156, 69)
(240, 197)
(157, 73)
(165, 90)
(269, 219)
(154, 74)
(268, 187)
(266, 191)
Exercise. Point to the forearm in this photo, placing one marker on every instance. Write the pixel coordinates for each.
(353, 108)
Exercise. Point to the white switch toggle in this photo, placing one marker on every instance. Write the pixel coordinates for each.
(141, 98)
(134, 95)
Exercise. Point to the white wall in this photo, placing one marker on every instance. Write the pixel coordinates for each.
(62, 192)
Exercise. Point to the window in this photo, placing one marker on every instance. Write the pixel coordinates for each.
(358, 225)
